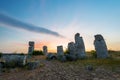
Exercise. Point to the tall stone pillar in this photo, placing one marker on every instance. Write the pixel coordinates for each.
(80, 47)
(100, 46)
(31, 47)
(45, 51)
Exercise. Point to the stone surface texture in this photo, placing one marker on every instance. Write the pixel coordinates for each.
(15, 60)
(60, 50)
(33, 65)
(31, 47)
(71, 48)
(45, 51)
(100, 46)
(79, 46)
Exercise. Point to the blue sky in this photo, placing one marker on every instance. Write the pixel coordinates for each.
(66, 17)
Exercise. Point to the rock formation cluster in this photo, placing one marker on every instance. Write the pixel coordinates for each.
(76, 50)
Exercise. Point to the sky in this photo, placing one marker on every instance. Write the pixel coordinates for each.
(55, 22)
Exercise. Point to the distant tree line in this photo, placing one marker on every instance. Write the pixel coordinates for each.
(37, 52)
(0, 54)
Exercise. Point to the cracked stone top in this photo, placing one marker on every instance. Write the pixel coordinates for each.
(99, 37)
(31, 43)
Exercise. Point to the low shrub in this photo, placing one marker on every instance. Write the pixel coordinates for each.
(93, 53)
(61, 58)
(0, 54)
(37, 53)
(21, 53)
(51, 56)
(66, 51)
(71, 57)
(32, 65)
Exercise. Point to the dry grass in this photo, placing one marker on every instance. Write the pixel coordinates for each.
(105, 69)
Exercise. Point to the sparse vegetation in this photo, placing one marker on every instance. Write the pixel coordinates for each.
(61, 58)
(114, 54)
(66, 51)
(93, 53)
(11, 64)
(36, 52)
(0, 54)
(54, 69)
(21, 53)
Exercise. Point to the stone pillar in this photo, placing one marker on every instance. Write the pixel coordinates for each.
(31, 47)
(60, 50)
(60, 54)
(80, 47)
(71, 48)
(100, 46)
(72, 51)
(45, 51)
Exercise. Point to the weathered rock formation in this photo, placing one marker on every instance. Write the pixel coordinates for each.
(15, 60)
(77, 49)
(79, 46)
(33, 65)
(72, 54)
(60, 50)
(45, 51)
(51, 56)
(31, 47)
(71, 48)
(100, 46)
(60, 54)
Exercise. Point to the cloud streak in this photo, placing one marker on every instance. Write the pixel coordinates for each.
(12, 22)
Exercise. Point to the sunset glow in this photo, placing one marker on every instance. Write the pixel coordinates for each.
(55, 22)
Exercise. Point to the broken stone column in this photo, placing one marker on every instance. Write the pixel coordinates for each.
(60, 50)
(33, 65)
(100, 46)
(80, 47)
(31, 47)
(15, 60)
(71, 48)
(60, 54)
(72, 54)
(45, 51)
